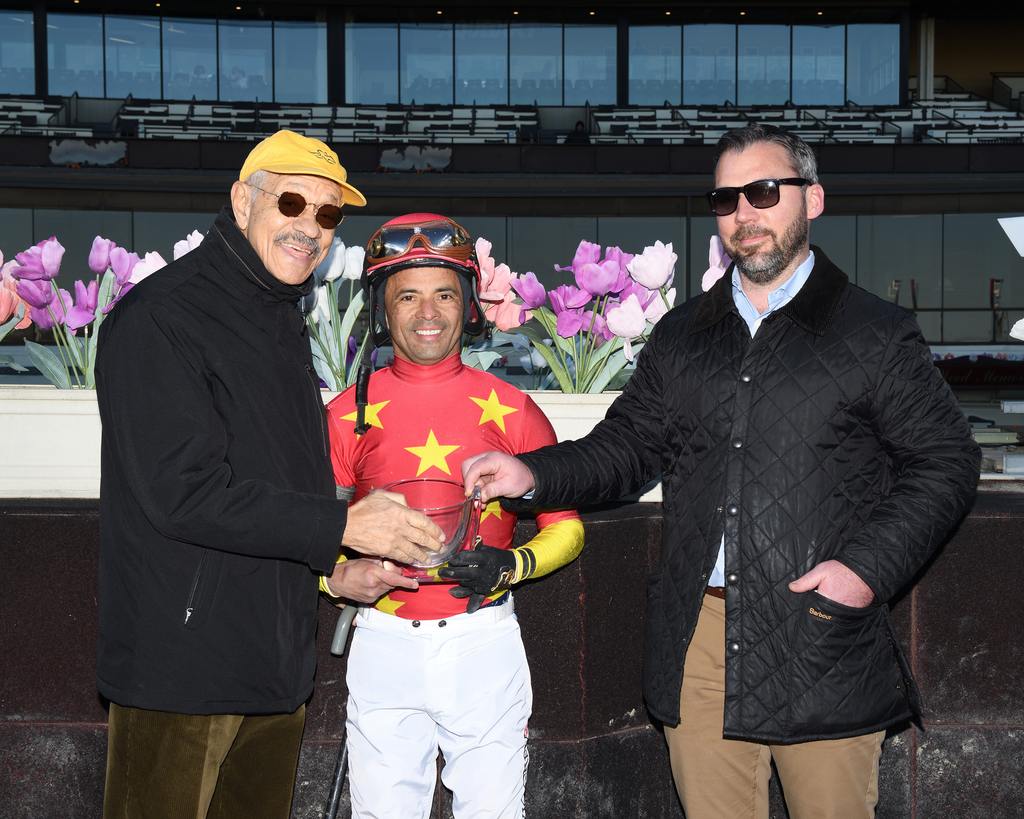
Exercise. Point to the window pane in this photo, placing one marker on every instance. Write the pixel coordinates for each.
(709, 64)
(133, 57)
(535, 65)
(589, 65)
(481, 65)
(190, 59)
(917, 242)
(244, 61)
(300, 62)
(17, 60)
(371, 63)
(74, 54)
(818, 65)
(655, 62)
(427, 64)
(763, 65)
(873, 64)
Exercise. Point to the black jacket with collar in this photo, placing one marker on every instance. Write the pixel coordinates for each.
(217, 502)
(829, 435)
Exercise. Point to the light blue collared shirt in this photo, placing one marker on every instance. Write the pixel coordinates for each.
(779, 297)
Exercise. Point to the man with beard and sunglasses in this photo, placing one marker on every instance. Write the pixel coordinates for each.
(812, 460)
(218, 509)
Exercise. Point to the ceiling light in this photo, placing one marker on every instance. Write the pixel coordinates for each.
(743, 14)
(820, 13)
(516, 13)
(439, 11)
(668, 13)
(593, 13)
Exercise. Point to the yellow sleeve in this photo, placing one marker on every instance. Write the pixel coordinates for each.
(323, 580)
(554, 546)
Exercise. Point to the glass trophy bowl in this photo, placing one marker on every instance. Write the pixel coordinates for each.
(446, 504)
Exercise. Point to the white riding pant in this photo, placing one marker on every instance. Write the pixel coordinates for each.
(460, 684)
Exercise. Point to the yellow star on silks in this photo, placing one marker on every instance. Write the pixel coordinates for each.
(387, 605)
(493, 410)
(432, 454)
(491, 509)
(372, 414)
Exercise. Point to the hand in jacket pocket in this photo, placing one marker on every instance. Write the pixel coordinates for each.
(833, 580)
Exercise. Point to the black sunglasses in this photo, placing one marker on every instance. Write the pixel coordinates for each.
(293, 204)
(764, 193)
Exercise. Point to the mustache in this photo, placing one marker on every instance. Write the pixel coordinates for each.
(305, 242)
(750, 231)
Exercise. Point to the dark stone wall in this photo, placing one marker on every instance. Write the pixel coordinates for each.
(593, 749)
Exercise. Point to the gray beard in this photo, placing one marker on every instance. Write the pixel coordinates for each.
(766, 267)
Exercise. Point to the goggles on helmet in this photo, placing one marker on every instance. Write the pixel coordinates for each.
(445, 238)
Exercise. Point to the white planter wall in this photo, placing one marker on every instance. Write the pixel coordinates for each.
(51, 437)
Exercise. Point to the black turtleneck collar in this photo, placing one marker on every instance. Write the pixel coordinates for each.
(228, 241)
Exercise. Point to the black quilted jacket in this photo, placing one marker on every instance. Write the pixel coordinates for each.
(829, 435)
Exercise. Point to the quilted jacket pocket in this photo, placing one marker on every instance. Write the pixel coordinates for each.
(843, 674)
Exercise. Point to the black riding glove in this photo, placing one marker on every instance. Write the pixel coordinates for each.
(480, 572)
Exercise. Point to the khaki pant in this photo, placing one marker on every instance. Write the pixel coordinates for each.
(184, 766)
(720, 778)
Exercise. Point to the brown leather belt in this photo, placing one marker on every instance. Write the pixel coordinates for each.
(715, 591)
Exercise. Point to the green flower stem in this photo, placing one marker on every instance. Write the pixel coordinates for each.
(61, 342)
(552, 331)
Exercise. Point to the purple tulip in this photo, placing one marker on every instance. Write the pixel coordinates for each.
(567, 297)
(568, 323)
(122, 263)
(120, 294)
(530, 290)
(99, 255)
(41, 261)
(586, 253)
(59, 308)
(599, 329)
(84, 311)
(643, 295)
(36, 292)
(621, 258)
(597, 279)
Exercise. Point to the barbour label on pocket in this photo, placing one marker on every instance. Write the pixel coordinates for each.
(818, 613)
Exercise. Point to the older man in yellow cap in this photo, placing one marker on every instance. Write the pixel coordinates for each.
(217, 503)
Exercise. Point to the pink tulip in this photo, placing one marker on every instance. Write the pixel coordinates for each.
(654, 267)
(626, 320)
(149, 264)
(495, 280)
(718, 263)
(506, 314)
(192, 241)
(658, 306)
(10, 301)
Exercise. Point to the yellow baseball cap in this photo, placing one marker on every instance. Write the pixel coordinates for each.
(289, 152)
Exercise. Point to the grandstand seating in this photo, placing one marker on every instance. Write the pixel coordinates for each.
(949, 117)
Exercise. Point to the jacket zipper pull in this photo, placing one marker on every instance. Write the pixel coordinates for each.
(188, 613)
